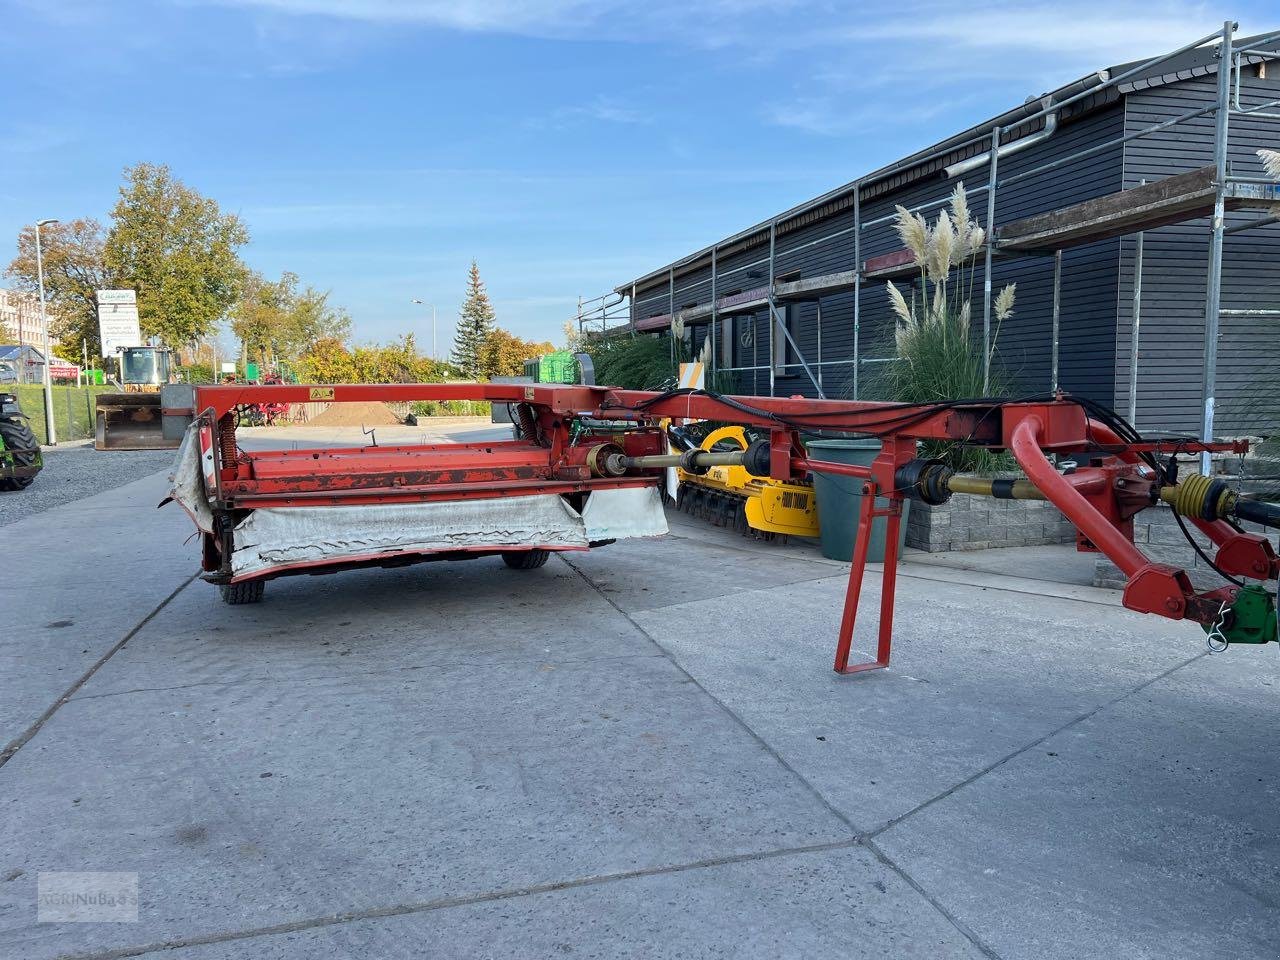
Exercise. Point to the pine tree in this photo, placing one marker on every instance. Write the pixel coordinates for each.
(476, 320)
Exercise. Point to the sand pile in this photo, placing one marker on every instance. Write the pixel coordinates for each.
(370, 414)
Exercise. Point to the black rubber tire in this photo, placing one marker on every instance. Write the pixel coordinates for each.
(247, 591)
(525, 559)
(18, 436)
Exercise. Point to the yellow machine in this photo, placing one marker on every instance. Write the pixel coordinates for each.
(138, 418)
(731, 497)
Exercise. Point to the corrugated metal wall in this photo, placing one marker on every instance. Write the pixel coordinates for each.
(1096, 295)
(1175, 269)
(826, 246)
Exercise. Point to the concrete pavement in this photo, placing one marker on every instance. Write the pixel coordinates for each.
(640, 751)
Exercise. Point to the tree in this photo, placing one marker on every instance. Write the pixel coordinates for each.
(329, 361)
(503, 354)
(178, 250)
(273, 319)
(311, 319)
(74, 269)
(475, 321)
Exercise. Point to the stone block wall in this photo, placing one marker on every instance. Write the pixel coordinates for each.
(979, 523)
(1156, 533)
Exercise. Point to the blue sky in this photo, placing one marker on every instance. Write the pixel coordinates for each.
(374, 147)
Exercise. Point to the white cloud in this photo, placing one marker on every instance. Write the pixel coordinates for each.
(1101, 33)
(697, 23)
(920, 61)
(526, 17)
(842, 115)
(602, 109)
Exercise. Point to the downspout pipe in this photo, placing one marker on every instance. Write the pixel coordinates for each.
(1017, 146)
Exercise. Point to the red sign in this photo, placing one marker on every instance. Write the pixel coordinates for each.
(63, 371)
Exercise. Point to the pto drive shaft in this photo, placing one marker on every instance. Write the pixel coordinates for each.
(1201, 498)
(607, 460)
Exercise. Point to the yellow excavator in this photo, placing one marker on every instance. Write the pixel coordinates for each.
(731, 497)
(152, 413)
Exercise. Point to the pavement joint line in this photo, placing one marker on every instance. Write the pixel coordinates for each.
(984, 586)
(903, 571)
(861, 838)
(733, 593)
(955, 788)
(960, 568)
(24, 738)
(444, 903)
(874, 584)
(449, 664)
(903, 562)
(789, 555)
(929, 898)
(764, 744)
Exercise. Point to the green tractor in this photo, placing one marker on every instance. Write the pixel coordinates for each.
(20, 458)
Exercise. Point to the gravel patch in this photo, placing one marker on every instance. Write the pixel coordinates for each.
(72, 473)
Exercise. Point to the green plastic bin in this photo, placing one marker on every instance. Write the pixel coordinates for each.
(840, 499)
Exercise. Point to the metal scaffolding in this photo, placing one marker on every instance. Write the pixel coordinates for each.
(1211, 191)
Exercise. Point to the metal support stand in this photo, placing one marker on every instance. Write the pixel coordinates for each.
(1213, 292)
(713, 361)
(857, 282)
(1057, 312)
(819, 331)
(884, 641)
(1135, 330)
(671, 307)
(986, 272)
(773, 318)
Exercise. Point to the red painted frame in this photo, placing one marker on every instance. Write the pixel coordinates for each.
(1100, 498)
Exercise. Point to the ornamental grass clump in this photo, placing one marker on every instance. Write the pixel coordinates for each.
(1270, 162)
(938, 358)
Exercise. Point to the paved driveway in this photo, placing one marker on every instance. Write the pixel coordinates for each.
(639, 751)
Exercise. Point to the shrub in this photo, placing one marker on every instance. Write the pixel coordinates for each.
(646, 362)
(196, 373)
(449, 408)
(938, 358)
(635, 363)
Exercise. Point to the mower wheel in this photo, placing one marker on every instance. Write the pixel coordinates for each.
(17, 437)
(247, 591)
(525, 559)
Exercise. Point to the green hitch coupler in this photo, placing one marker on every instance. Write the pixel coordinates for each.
(1249, 618)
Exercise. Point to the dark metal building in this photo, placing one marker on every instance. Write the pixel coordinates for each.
(1113, 176)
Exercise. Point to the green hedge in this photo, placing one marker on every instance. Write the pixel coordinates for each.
(73, 412)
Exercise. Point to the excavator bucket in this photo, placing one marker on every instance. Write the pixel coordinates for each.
(143, 421)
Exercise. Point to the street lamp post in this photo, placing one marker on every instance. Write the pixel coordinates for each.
(51, 437)
(434, 354)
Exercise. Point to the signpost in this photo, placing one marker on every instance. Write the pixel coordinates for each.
(118, 320)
